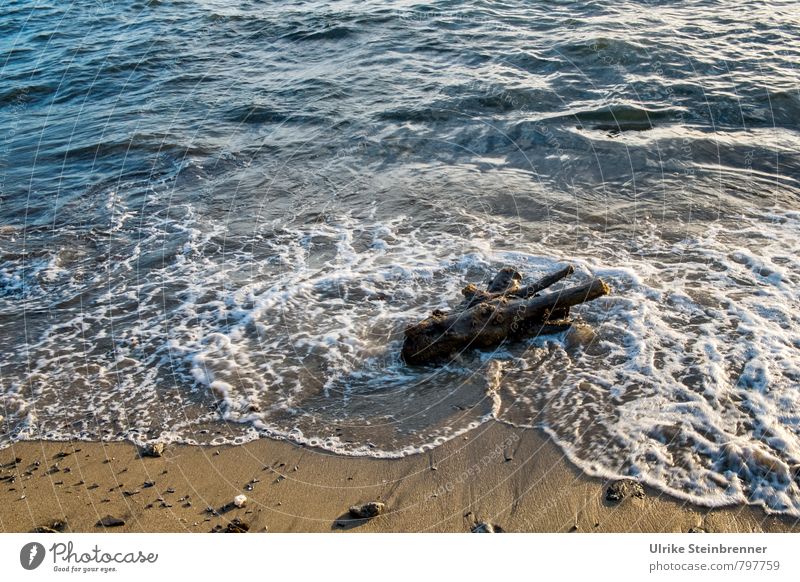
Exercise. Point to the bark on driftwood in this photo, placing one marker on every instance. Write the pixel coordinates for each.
(505, 310)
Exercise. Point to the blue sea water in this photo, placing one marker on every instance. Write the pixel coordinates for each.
(216, 221)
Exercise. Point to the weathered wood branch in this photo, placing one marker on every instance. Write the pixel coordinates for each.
(487, 318)
(506, 282)
(544, 282)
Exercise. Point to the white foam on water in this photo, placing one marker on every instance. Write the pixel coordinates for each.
(686, 377)
(690, 379)
(316, 311)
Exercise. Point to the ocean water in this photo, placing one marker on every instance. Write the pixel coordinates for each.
(216, 221)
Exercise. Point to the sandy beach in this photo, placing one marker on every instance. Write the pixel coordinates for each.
(517, 480)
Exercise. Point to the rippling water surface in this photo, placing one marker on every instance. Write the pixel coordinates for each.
(217, 220)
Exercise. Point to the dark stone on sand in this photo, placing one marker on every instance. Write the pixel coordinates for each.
(153, 450)
(56, 526)
(486, 527)
(148, 484)
(235, 526)
(110, 521)
(367, 510)
(622, 489)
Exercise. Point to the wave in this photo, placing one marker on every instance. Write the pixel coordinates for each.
(258, 114)
(332, 33)
(21, 96)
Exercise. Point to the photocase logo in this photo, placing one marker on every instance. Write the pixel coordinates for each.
(31, 555)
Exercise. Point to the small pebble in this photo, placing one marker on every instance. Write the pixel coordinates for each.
(154, 450)
(110, 521)
(367, 510)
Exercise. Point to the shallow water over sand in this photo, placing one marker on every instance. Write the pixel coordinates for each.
(217, 221)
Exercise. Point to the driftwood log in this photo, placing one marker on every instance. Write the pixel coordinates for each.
(504, 311)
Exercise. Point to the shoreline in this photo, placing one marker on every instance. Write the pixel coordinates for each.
(517, 479)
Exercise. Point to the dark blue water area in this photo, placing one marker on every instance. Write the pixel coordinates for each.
(94, 93)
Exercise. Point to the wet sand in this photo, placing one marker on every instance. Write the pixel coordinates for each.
(516, 479)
